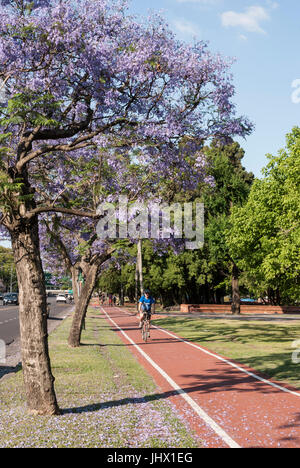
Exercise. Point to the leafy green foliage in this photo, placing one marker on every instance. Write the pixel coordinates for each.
(27, 108)
(7, 270)
(265, 235)
(201, 275)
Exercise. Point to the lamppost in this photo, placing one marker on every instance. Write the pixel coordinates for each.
(139, 272)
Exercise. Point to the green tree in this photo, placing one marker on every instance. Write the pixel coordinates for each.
(265, 235)
(212, 272)
(8, 275)
(232, 186)
(202, 276)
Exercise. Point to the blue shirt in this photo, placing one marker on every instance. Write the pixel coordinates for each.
(147, 303)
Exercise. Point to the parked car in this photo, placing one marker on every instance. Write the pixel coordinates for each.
(248, 299)
(61, 298)
(11, 298)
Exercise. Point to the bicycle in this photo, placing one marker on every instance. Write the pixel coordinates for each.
(146, 327)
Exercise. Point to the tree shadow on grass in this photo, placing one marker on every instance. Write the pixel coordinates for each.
(95, 345)
(277, 366)
(243, 332)
(120, 402)
(152, 341)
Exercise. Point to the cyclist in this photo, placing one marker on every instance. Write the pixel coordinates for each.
(145, 306)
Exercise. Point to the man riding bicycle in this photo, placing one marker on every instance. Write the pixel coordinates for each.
(145, 304)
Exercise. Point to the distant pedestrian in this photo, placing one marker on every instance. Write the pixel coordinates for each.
(110, 300)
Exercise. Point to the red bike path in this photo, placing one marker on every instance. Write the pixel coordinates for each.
(225, 403)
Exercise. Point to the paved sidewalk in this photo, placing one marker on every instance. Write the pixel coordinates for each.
(227, 404)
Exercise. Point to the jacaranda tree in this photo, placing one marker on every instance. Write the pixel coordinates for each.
(71, 243)
(76, 75)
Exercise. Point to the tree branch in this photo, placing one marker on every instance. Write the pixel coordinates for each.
(60, 245)
(82, 141)
(54, 209)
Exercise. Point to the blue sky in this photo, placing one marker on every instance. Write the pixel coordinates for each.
(263, 36)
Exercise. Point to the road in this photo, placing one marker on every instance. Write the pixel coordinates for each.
(9, 319)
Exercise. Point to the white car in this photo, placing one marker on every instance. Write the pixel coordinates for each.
(61, 298)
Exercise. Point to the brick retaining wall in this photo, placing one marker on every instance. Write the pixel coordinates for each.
(245, 309)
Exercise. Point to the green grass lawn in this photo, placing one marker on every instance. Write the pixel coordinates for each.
(264, 346)
(107, 399)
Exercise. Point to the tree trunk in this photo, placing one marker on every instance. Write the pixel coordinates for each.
(74, 273)
(38, 379)
(236, 299)
(121, 302)
(82, 305)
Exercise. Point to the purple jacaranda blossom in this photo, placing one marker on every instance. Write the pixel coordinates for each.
(84, 85)
(91, 76)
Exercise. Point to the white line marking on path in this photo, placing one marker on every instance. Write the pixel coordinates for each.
(203, 415)
(251, 374)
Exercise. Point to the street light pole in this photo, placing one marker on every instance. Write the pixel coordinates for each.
(139, 273)
(140, 265)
